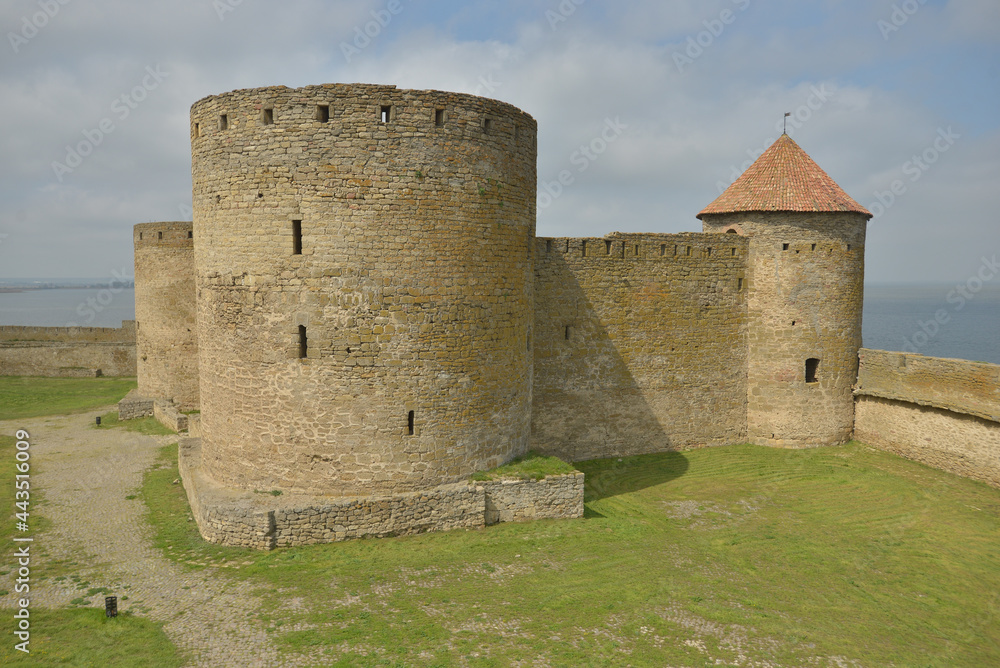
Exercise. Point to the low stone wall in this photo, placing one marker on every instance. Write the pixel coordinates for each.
(169, 415)
(68, 351)
(264, 521)
(520, 500)
(135, 406)
(942, 412)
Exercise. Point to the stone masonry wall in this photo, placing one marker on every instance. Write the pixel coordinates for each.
(804, 302)
(68, 351)
(261, 520)
(364, 259)
(942, 412)
(640, 344)
(167, 337)
(523, 500)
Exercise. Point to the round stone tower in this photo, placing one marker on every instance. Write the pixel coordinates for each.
(804, 301)
(166, 334)
(364, 267)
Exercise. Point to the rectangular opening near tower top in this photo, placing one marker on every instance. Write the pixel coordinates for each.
(303, 343)
(323, 113)
(385, 115)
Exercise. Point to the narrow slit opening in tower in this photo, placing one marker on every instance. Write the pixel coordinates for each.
(386, 113)
(268, 117)
(569, 331)
(303, 343)
(487, 126)
(583, 247)
(812, 366)
(637, 250)
(224, 122)
(663, 249)
(409, 423)
(296, 237)
(687, 251)
(813, 247)
(784, 247)
(159, 235)
(190, 234)
(548, 246)
(323, 113)
(439, 118)
(197, 130)
(708, 252)
(607, 248)
(739, 285)
(140, 236)
(733, 253)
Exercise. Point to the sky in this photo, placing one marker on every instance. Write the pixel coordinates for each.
(897, 100)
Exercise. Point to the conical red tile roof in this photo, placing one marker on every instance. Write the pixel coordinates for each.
(784, 178)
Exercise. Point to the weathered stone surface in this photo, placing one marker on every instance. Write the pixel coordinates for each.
(134, 406)
(941, 412)
(261, 520)
(413, 287)
(640, 344)
(804, 301)
(68, 351)
(166, 334)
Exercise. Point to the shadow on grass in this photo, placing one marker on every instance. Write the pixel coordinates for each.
(606, 478)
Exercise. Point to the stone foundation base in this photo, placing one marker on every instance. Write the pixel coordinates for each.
(134, 406)
(263, 521)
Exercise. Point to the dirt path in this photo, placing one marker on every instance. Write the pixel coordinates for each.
(85, 475)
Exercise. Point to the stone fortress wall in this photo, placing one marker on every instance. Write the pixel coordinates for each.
(364, 264)
(166, 337)
(640, 344)
(376, 320)
(68, 351)
(942, 412)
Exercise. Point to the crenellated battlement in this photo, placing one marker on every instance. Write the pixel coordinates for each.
(641, 246)
(357, 111)
(163, 235)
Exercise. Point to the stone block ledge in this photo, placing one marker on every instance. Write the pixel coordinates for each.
(262, 521)
(135, 406)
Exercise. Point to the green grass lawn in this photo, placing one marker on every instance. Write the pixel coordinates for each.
(26, 397)
(85, 637)
(70, 637)
(742, 555)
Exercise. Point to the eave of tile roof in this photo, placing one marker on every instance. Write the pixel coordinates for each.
(784, 178)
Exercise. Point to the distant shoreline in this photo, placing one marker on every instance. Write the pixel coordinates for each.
(27, 288)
